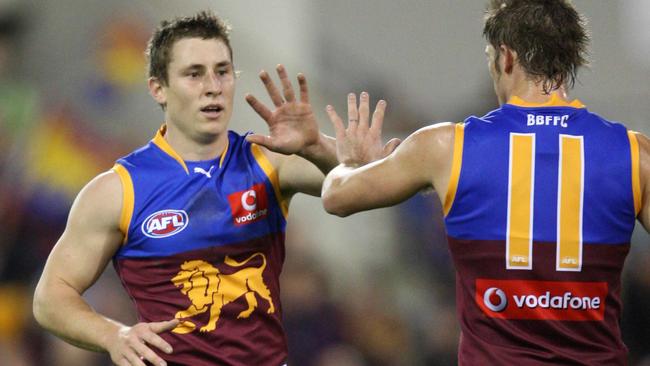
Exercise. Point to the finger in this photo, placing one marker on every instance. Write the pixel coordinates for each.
(364, 111)
(259, 107)
(260, 140)
(147, 354)
(270, 88)
(158, 342)
(378, 118)
(164, 326)
(134, 359)
(302, 83)
(339, 127)
(390, 147)
(287, 89)
(123, 362)
(353, 114)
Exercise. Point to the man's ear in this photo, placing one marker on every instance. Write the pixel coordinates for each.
(507, 59)
(157, 90)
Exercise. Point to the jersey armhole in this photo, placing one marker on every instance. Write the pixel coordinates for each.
(272, 174)
(636, 180)
(128, 198)
(454, 175)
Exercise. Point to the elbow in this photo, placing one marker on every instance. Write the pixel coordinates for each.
(40, 306)
(38, 309)
(333, 205)
(336, 196)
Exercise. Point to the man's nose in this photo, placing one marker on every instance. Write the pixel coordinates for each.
(212, 84)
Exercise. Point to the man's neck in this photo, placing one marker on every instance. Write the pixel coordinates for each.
(537, 94)
(533, 91)
(191, 150)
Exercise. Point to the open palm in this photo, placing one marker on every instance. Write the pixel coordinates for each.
(292, 125)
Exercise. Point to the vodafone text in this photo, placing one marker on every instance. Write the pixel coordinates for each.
(252, 216)
(550, 300)
(565, 301)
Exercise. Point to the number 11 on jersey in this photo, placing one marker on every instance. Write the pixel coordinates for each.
(521, 193)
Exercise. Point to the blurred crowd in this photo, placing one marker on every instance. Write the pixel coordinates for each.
(401, 313)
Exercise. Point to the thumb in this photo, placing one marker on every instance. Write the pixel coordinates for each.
(260, 140)
(159, 327)
(390, 146)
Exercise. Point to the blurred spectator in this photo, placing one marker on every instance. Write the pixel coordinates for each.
(340, 355)
(311, 320)
(17, 110)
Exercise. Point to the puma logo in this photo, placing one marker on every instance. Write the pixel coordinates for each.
(202, 171)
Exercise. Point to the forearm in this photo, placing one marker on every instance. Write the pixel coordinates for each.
(322, 154)
(62, 310)
(348, 189)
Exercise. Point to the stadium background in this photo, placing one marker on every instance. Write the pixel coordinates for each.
(372, 289)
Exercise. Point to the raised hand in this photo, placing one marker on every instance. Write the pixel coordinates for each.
(360, 143)
(131, 345)
(292, 125)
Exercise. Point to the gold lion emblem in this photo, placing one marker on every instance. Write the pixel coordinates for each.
(208, 289)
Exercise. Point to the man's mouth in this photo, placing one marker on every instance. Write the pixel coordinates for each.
(212, 110)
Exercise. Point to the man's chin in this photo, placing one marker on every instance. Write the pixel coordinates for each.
(211, 133)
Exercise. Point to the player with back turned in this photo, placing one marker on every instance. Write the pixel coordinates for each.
(540, 196)
(194, 221)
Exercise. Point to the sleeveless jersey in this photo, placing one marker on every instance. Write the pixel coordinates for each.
(539, 213)
(204, 243)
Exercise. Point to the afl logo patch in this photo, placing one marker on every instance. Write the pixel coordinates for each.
(165, 223)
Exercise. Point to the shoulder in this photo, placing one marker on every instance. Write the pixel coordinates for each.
(105, 184)
(439, 132)
(644, 142)
(644, 152)
(433, 139)
(100, 200)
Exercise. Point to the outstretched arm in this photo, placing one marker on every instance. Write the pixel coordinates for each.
(422, 161)
(89, 241)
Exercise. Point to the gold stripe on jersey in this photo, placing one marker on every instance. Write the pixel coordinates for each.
(160, 141)
(225, 151)
(270, 172)
(128, 199)
(519, 238)
(570, 197)
(555, 101)
(636, 180)
(456, 162)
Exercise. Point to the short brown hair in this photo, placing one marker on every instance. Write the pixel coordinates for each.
(549, 37)
(205, 25)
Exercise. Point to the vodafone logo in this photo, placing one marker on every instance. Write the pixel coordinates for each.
(547, 300)
(249, 200)
(249, 205)
(501, 300)
(165, 223)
